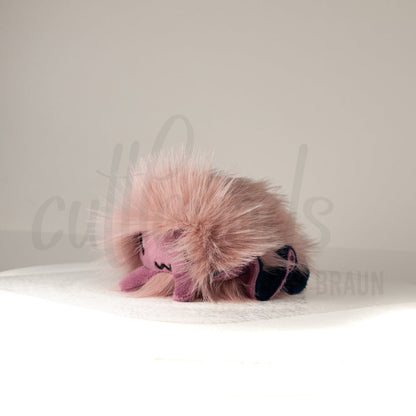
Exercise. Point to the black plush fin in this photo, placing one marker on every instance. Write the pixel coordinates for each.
(296, 282)
(268, 283)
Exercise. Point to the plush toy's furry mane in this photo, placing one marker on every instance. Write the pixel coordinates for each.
(224, 222)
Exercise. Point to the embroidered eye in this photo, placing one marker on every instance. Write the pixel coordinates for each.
(140, 238)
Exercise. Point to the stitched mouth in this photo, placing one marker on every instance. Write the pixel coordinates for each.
(163, 266)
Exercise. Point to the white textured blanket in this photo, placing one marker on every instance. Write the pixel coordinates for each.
(346, 280)
(344, 346)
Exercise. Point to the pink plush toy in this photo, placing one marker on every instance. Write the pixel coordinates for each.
(156, 258)
(188, 230)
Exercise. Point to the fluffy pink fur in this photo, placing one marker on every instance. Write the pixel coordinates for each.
(224, 222)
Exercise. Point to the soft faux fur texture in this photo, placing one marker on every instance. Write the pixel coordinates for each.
(221, 221)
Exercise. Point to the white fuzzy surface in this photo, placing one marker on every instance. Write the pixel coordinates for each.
(332, 354)
(93, 286)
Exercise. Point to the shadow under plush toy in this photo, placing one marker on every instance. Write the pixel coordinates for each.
(194, 232)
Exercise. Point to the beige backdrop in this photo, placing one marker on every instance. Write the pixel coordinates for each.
(318, 96)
